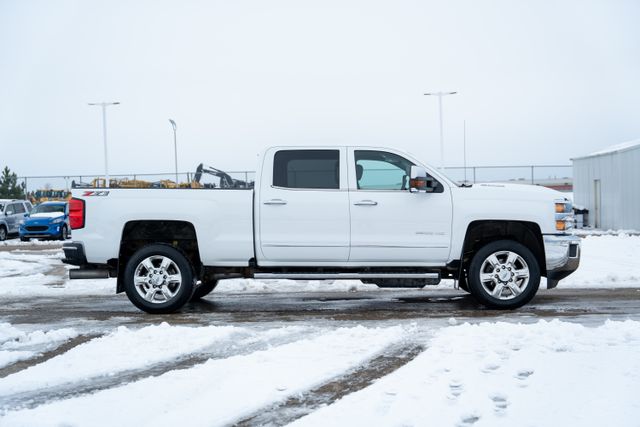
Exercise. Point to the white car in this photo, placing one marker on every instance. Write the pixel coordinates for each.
(374, 214)
(12, 214)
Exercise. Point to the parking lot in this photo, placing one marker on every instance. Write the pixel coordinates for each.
(280, 352)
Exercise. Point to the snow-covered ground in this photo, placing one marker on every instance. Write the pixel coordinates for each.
(485, 374)
(480, 373)
(503, 374)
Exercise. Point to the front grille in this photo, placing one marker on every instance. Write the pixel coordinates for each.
(36, 227)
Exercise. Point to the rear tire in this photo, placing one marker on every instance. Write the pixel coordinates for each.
(504, 275)
(159, 279)
(203, 290)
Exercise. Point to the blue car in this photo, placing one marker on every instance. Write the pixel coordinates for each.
(48, 220)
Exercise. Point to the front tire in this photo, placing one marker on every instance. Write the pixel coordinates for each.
(24, 239)
(504, 275)
(64, 233)
(159, 279)
(203, 290)
(3, 233)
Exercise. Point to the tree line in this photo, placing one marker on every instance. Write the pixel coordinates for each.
(9, 187)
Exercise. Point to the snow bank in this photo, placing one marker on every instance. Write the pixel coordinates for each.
(31, 273)
(121, 350)
(16, 344)
(22, 264)
(33, 242)
(502, 374)
(219, 391)
(608, 261)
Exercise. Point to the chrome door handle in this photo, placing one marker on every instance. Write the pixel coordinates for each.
(275, 202)
(366, 203)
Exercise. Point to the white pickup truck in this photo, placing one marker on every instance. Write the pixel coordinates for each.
(373, 214)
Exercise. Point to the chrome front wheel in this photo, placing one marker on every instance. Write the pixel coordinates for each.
(504, 274)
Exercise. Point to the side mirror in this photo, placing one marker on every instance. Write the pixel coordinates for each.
(419, 181)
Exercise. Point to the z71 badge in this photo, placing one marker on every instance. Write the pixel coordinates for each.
(95, 193)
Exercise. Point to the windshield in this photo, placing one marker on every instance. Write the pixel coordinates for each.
(48, 209)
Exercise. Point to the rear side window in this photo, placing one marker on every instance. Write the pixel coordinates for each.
(319, 169)
(19, 208)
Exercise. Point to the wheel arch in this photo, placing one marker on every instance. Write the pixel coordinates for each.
(480, 233)
(180, 235)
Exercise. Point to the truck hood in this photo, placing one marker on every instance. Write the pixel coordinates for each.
(496, 191)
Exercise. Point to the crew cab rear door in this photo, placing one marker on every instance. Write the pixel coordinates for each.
(389, 224)
(303, 207)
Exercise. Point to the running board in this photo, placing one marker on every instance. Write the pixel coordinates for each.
(346, 276)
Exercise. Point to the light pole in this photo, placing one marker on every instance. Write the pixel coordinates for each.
(104, 106)
(175, 147)
(464, 149)
(440, 95)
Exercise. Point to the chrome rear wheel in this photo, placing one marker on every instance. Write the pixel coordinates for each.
(159, 279)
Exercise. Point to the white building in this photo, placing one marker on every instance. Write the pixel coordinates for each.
(607, 183)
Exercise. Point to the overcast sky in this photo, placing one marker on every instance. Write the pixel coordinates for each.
(538, 81)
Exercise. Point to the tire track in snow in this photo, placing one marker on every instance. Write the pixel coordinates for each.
(44, 356)
(230, 389)
(233, 346)
(361, 377)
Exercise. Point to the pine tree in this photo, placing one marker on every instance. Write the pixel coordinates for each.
(9, 188)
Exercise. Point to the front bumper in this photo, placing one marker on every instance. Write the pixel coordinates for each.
(41, 230)
(562, 253)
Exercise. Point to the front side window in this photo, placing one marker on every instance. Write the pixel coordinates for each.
(19, 208)
(315, 169)
(379, 170)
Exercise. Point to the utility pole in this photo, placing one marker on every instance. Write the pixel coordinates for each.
(104, 106)
(175, 148)
(440, 95)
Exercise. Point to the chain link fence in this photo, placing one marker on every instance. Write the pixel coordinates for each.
(47, 187)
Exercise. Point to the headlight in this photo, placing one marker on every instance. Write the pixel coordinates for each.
(57, 220)
(564, 215)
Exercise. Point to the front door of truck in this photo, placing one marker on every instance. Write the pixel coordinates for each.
(390, 224)
(303, 207)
